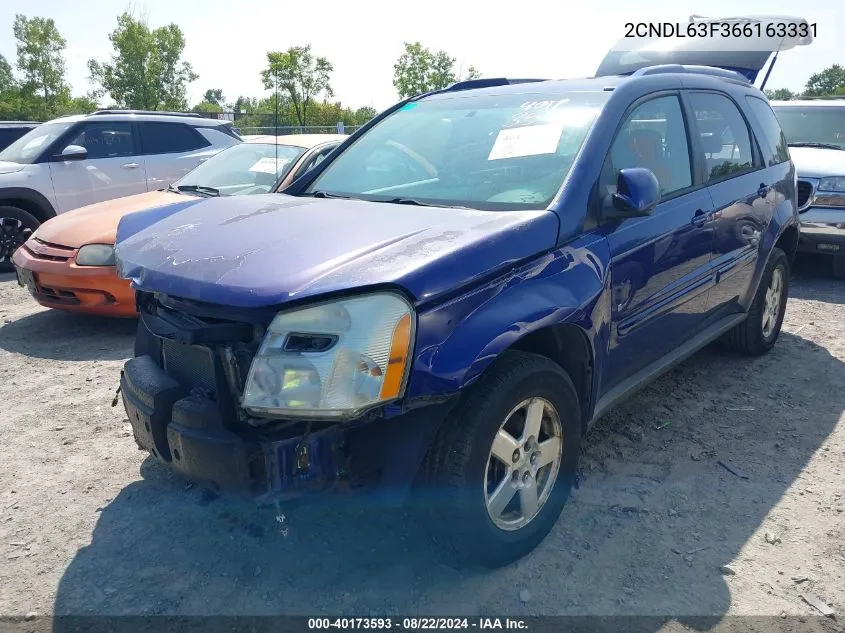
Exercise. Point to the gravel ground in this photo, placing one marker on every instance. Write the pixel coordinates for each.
(90, 525)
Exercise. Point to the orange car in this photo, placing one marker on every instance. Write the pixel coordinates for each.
(68, 263)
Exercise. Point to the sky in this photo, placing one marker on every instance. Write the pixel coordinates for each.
(227, 41)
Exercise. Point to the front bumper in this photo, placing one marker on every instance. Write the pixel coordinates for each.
(823, 230)
(192, 433)
(57, 282)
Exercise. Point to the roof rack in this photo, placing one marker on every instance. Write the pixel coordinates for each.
(148, 112)
(696, 70)
(487, 82)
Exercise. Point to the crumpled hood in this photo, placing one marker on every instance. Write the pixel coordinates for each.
(97, 223)
(818, 162)
(9, 168)
(265, 250)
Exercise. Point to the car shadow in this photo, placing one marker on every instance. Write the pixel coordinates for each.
(817, 280)
(69, 336)
(654, 519)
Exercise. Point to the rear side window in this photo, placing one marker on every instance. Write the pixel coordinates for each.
(170, 138)
(775, 139)
(106, 140)
(724, 136)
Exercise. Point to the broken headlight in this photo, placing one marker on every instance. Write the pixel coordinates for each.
(332, 360)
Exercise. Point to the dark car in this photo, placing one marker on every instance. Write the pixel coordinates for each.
(11, 131)
(449, 301)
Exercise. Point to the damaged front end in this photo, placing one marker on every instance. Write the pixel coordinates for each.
(184, 394)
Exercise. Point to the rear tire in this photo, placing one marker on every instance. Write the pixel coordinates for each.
(839, 266)
(524, 402)
(759, 332)
(16, 227)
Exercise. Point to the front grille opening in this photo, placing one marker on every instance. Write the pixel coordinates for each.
(192, 366)
(42, 256)
(805, 192)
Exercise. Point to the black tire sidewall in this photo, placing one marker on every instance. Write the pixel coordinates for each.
(28, 220)
(545, 380)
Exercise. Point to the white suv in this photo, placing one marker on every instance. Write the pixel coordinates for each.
(77, 160)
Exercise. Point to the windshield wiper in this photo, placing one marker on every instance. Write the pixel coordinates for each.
(420, 203)
(324, 194)
(820, 145)
(206, 191)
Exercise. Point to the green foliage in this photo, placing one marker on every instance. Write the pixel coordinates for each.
(781, 94)
(300, 75)
(146, 71)
(214, 95)
(7, 80)
(207, 106)
(420, 70)
(40, 49)
(827, 82)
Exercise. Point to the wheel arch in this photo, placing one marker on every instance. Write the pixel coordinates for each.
(568, 346)
(787, 241)
(29, 200)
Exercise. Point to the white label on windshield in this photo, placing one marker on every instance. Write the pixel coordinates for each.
(36, 142)
(529, 140)
(269, 165)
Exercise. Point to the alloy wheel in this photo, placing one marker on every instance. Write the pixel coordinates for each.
(523, 464)
(13, 233)
(772, 302)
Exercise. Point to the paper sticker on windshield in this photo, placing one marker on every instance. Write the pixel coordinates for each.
(269, 165)
(529, 140)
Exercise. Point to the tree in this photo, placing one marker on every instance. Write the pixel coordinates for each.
(826, 82)
(301, 75)
(40, 50)
(420, 70)
(146, 70)
(781, 94)
(7, 80)
(472, 73)
(214, 95)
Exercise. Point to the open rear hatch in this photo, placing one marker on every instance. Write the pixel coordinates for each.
(746, 55)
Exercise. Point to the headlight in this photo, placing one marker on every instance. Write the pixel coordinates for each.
(832, 183)
(95, 255)
(332, 360)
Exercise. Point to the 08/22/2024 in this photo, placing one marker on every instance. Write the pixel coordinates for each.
(415, 623)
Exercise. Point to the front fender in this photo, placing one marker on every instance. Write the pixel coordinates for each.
(459, 339)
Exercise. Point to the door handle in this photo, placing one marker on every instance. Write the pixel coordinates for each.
(763, 191)
(701, 217)
(130, 166)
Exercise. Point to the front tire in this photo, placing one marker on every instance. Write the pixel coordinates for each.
(759, 332)
(16, 227)
(503, 465)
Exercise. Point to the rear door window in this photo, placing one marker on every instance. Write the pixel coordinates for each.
(772, 131)
(725, 137)
(170, 138)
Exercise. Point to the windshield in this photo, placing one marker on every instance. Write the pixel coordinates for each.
(813, 124)
(484, 152)
(246, 168)
(29, 146)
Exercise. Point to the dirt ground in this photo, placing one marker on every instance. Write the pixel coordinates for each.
(90, 525)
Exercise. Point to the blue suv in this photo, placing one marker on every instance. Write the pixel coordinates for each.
(449, 301)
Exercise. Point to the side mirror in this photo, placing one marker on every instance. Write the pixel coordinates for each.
(72, 152)
(637, 193)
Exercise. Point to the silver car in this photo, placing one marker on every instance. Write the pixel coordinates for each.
(815, 132)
